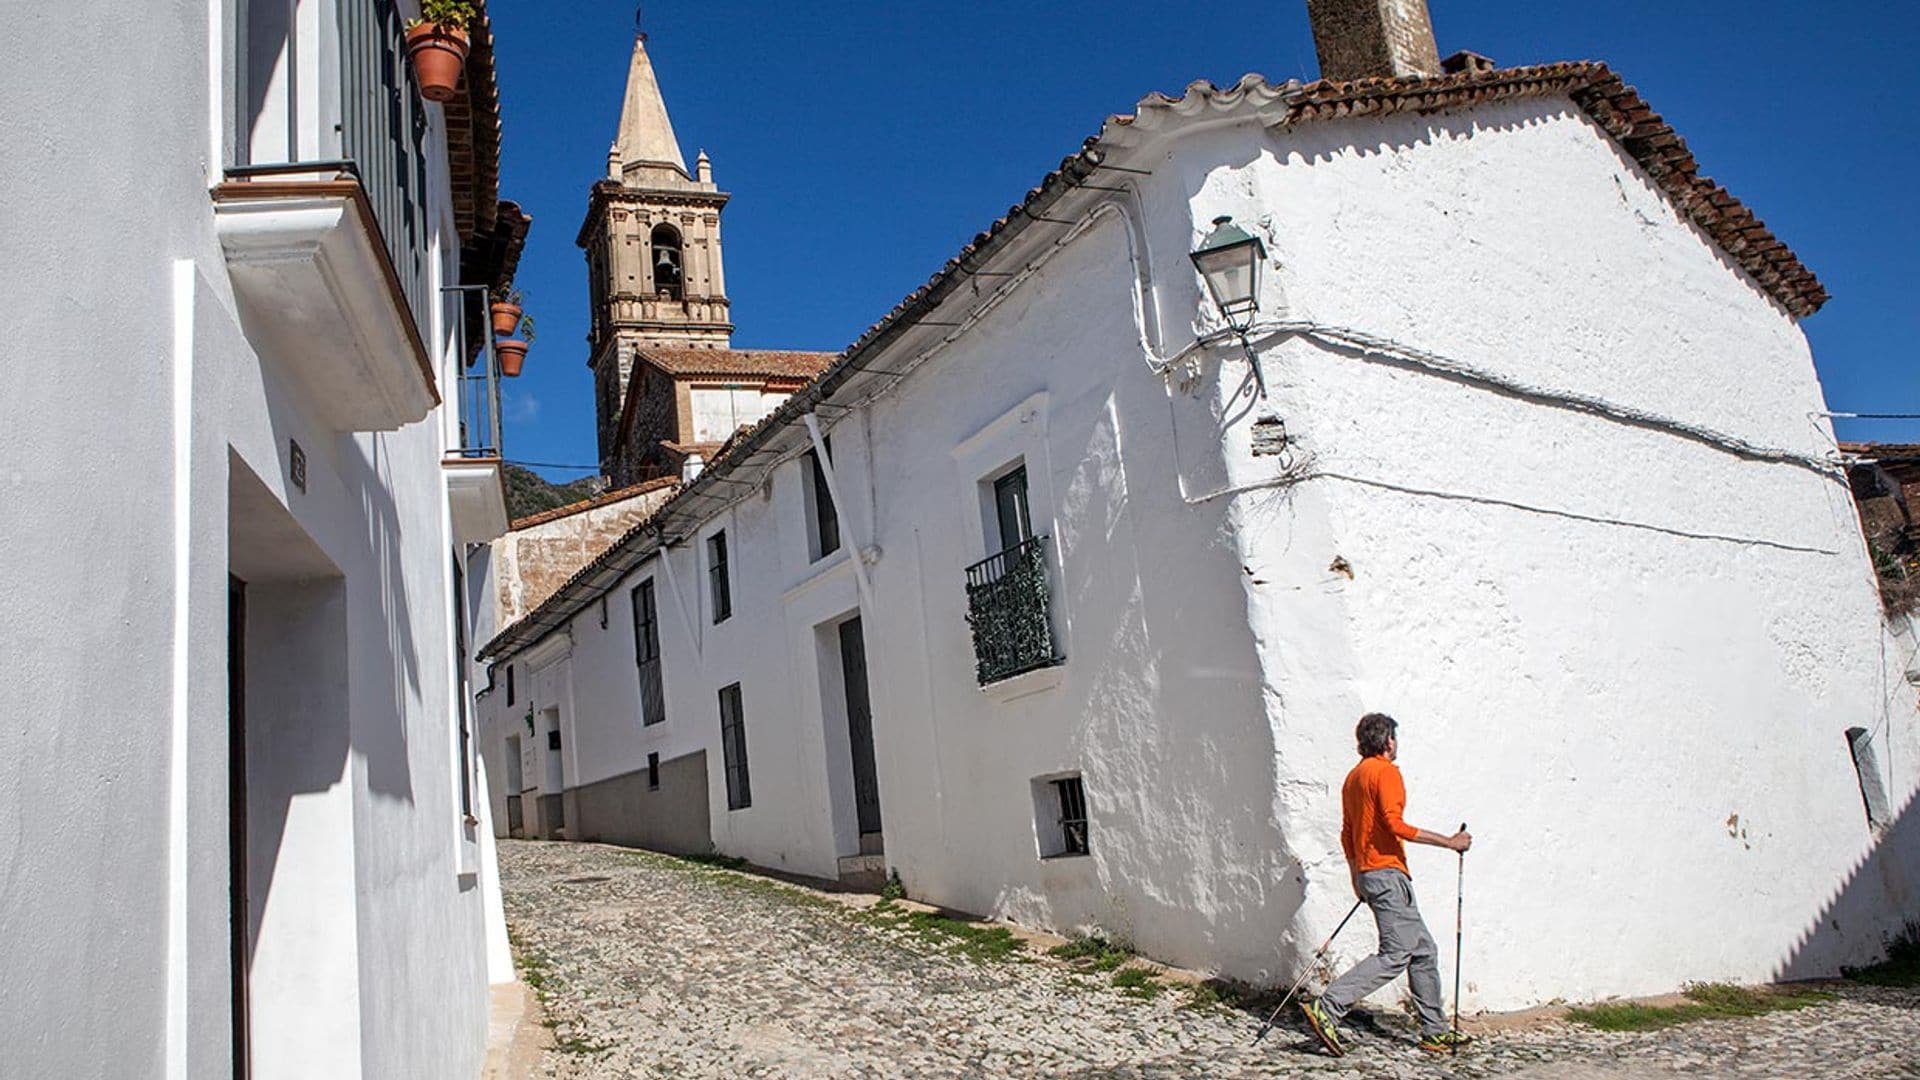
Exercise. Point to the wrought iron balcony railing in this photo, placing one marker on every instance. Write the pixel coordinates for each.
(1008, 610)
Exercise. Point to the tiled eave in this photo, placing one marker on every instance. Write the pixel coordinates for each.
(473, 133)
(1620, 111)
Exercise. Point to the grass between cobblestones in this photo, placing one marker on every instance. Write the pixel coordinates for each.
(1709, 1001)
(536, 970)
(975, 941)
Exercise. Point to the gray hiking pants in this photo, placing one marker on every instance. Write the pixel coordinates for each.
(1405, 945)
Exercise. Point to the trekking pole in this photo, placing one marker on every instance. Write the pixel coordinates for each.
(1459, 923)
(1317, 957)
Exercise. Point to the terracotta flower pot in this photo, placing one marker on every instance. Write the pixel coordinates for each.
(506, 319)
(513, 353)
(439, 53)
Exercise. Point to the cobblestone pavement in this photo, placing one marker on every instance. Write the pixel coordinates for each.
(656, 967)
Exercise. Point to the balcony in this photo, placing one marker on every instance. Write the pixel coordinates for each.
(476, 475)
(1008, 608)
(321, 297)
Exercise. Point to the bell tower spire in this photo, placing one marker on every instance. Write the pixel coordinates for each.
(652, 241)
(645, 141)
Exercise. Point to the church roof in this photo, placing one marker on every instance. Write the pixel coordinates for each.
(759, 363)
(1614, 106)
(646, 132)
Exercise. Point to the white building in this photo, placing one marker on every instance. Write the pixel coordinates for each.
(243, 830)
(1535, 472)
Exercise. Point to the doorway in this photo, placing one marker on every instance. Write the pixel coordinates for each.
(866, 779)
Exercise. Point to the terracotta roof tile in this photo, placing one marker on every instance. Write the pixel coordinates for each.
(777, 363)
(605, 498)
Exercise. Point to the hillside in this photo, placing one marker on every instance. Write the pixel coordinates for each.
(529, 493)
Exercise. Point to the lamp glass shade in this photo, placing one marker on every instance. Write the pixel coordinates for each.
(1229, 262)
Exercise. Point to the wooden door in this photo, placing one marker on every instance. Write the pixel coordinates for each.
(866, 780)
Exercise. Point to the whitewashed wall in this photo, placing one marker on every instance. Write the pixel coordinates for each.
(132, 436)
(1627, 658)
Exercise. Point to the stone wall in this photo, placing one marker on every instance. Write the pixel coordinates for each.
(543, 551)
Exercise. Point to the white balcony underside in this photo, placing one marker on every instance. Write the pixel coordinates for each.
(322, 303)
(477, 495)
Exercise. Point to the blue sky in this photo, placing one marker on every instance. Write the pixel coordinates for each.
(864, 143)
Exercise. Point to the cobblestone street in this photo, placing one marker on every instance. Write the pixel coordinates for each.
(650, 966)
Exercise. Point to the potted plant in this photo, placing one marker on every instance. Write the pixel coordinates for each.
(513, 351)
(437, 45)
(506, 312)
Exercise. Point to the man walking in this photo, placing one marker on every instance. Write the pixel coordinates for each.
(1371, 831)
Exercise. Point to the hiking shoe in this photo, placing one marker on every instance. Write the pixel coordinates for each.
(1444, 1042)
(1322, 1026)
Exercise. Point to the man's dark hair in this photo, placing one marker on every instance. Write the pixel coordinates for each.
(1373, 732)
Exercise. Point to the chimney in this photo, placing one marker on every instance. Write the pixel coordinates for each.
(1373, 39)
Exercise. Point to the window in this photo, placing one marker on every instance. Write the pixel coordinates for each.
(553, 739)
(509, 684)
(1010, 507)
(824, 518)
(733, 747)
(653, 772)
(646, 654)
(717, 585)
(1060, 811)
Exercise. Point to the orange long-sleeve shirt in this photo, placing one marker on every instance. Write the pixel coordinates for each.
(1371, 828)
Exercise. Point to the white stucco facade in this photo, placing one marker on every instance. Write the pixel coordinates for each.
(149, 442)
(1564, 510)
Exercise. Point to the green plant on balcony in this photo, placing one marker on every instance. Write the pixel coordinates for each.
(437, 44)
(1007, 610)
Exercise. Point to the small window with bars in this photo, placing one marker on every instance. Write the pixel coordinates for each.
(1073, 815)
(733, 748)
(653, 772)
(1060, 816)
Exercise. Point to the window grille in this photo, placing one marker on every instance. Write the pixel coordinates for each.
(1008, 610)
(1073, 815)
(733, 748)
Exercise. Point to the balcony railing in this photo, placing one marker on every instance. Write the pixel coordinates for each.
(480, 433)
(1008, 609)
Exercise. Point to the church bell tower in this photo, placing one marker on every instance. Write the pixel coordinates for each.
(652, 240)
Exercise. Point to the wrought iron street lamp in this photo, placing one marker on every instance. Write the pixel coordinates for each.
(1229, 262)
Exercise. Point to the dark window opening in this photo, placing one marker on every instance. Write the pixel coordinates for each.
(666, 261)
(733, 748)
(553, 739)
(1073, 815)
(653, 772)
(1010, 506)
(646, 654)
(509, 684)
(717, 585)
(826, 519)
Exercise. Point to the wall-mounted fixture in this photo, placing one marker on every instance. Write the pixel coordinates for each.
(1229, 262)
